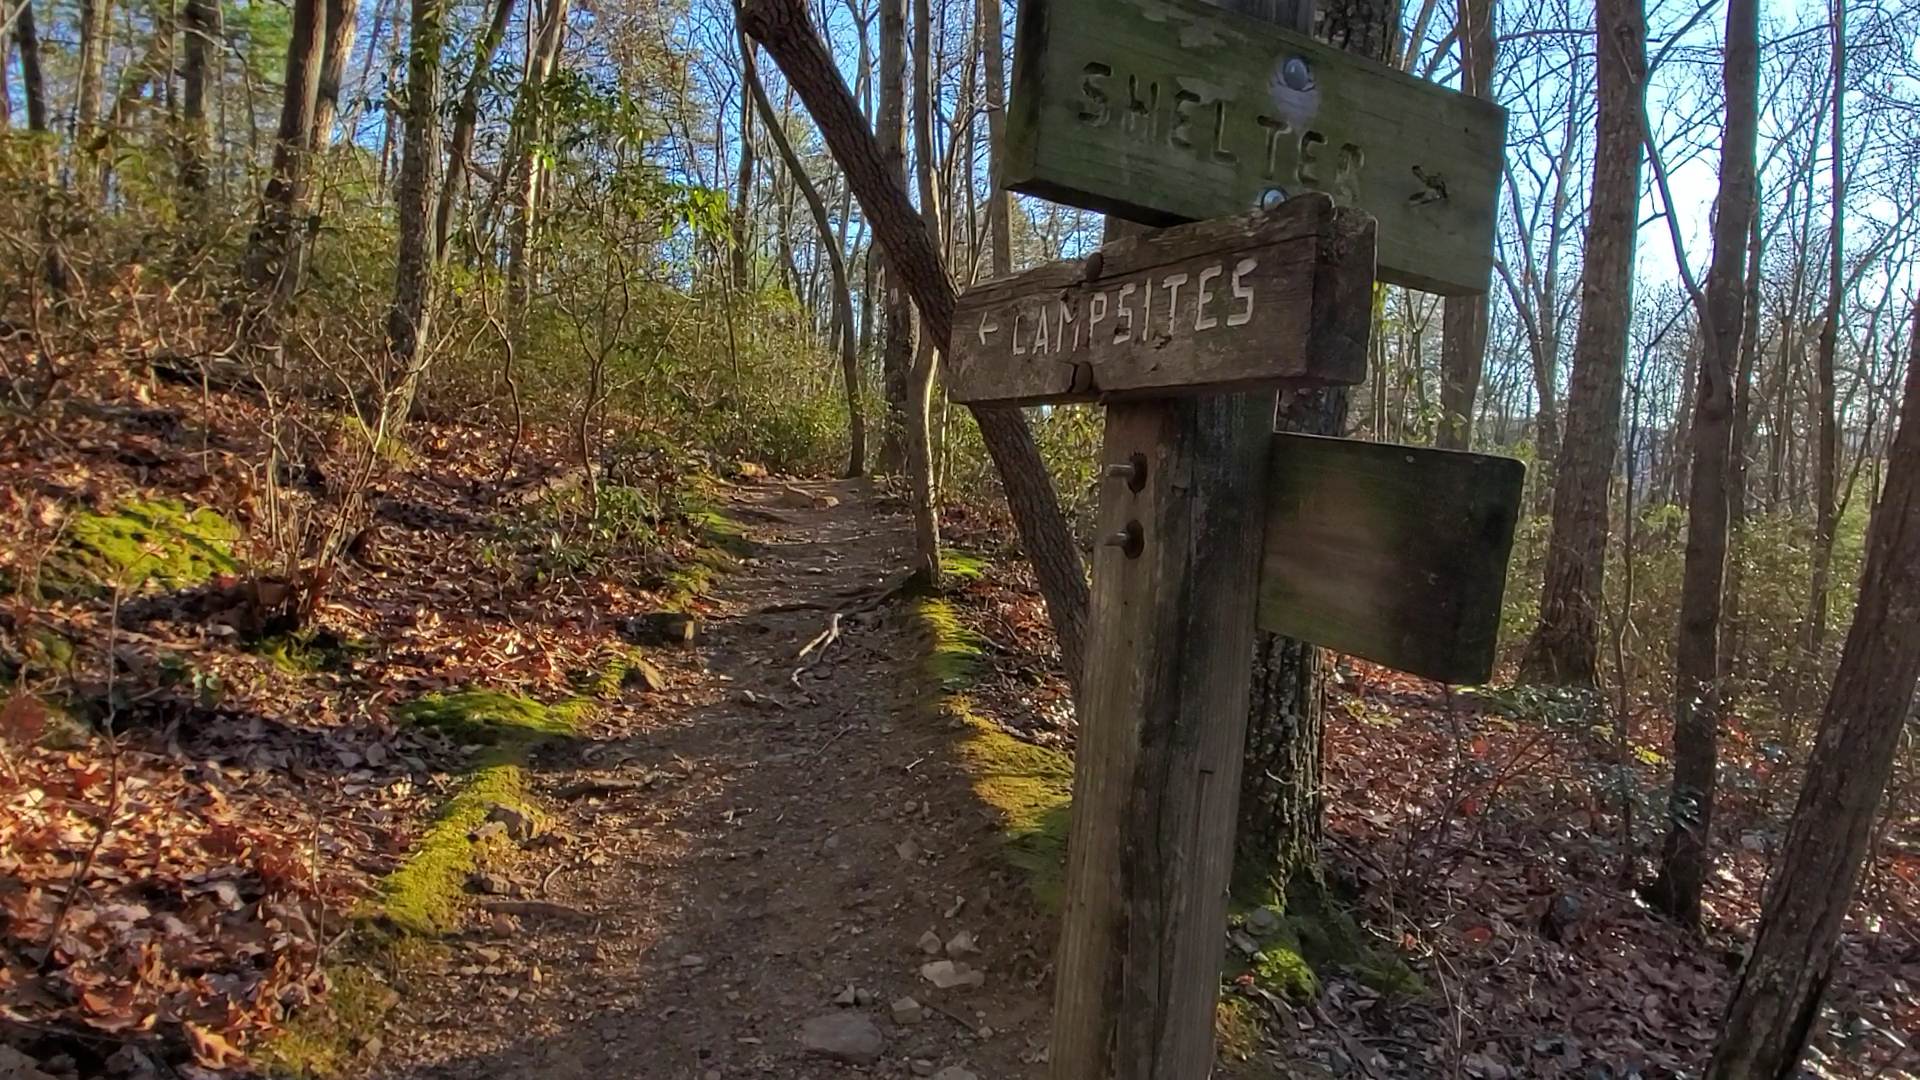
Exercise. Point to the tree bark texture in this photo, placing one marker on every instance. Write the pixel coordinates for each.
(343, 19)
(1564, 648)
(1826, 478)
(270, 250)
(782, 26)
(33, 91)
(465, 119)
(743, 188)
(201, 21)
(1696, 691)
(1778, 996)
(1282, 810)
(836, 264)
(896, 307)
(1740, 444)
(1463, 320)
(926, 355)
(93, 18)
(414, 199)
(543, 54)
(999, 216)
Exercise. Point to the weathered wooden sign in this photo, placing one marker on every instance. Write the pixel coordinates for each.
(1163, 111)
(1397, 554)
(1259, 300)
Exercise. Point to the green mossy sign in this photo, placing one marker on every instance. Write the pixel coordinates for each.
(1164, 111)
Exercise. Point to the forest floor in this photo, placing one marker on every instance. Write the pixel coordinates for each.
(496, 819)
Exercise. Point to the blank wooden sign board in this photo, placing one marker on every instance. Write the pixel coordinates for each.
(1163, 111)
(1397, 554)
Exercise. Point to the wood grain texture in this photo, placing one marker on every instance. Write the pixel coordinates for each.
(1164, 111)
(1249, 302)
(1397, 554)
(1163, 717)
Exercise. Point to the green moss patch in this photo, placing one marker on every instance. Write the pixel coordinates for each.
(395, 928)
(614, 668)
(160, 542)
(954, 648)
(1318, 935)
(1029, 786)
(308, 651)
(493, 717)
(333, 1039)
(424, 896)
(962, 565)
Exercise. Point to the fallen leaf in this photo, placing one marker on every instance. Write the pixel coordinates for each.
(212, 1049)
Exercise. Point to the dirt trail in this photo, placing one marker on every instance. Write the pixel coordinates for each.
(790, 842)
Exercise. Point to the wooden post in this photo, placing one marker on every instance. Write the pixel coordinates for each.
(1163, 716)
(1163, 712)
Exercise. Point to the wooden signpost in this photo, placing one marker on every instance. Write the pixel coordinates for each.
(1163, 111)
(1254, 301)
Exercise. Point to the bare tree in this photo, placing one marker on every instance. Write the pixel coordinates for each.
(1564, 648)
(1463, 336)
(783, 27)
(465, 119)
(1696, 692)
(94, 16)
(270, 249)
(414, 200)
(837, 264)
(999, 223)
(896, 308)
(342, 21)
(1826, 479)
(1778, 996)
(926, 356)
(201, 21)
(1282, 811)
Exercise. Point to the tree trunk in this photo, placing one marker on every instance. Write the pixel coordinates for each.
(342, 21)
(1564, 648)
(1282, 811)
(93, 20)
(465, 119)
(1463, 332)
(33, 93)
(6, 80)
(783, 27)
(896, 309)
(1826, 478)
(270, 249)
(414, 199)
(999, 218)
(543, 52)
(201, 19)
(1778, 996)
(1696, 691)
(743, 189)
(1732, 632)
(842, 292)
(926, 357)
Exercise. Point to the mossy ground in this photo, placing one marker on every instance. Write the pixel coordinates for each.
(608, 675)
(396, 928)
(1318, 935)
(140, 542)
(1029, 786)
(493, 718)
(720, 544)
